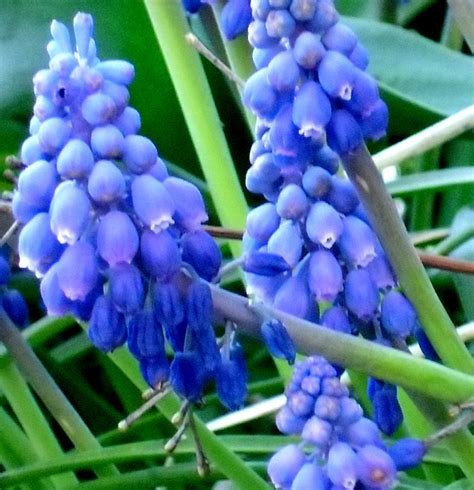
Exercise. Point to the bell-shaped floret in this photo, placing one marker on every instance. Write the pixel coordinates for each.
(407, 453)
(324, 224)
(303, 10)
(258, 36)
(37, 183)
(283, 72)
(285, 465)
(53, 298)
(374, 125)
(5, 272)
(145, 335)
(126, 288)
(398, 315)
(117, 238)
(362, 432)
(259, 95)
(78, 270)
(31, 150)
(70, 212)
(357, 242)
(336, 75)
(327, 159)
(190, 210)
(168, 304)
(342, 465)
(152, 202)
(381, 272)
(38, 248)
(107, 329)
(293, 297)
(98, 109)
(350, 411)
(365, 94)
(106, 183)
(53, 134)
(387, 413)
(308, 50)
(263, 176)
(188, 375)
(325, 276)
(310, 477)
(264, 264)
(316, 182)
(285, 140)
(231, 378)
(288, 423)
(343, 132)
(235, 18)
(15, 307)
(280, 24)
(139, 153)
(376, 467)
(117, 71)
(129, 122)
(360, 56)
(318, 432)
(335, 318)
(83, 29)
(292, 202)
(155, 370)
(262, 222)
(327, 408)
(75, 160)
(340, 37)
(262, 56)
(107, 141)
(342, 195)
(361, 294)
(300, 403)
(278, 341)
(159, 170)
(287, 242)
(201, 251)
(425, 345)
(160, 254)
(44, 109)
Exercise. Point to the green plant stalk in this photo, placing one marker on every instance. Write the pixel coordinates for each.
(224, 459)
(136, 451)
(202, 119)
(409, 270)
(463, 11)
(352, 352)
(451, 36)
(31, 419)
(45, 387)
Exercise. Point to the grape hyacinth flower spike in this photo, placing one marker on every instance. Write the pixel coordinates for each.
(107, 230)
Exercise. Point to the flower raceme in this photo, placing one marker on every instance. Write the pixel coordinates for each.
(107, 229)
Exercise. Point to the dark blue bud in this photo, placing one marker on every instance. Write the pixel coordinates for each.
(264, 287)
(78, 271)
(325, 16)
(231, 379)
(262, 222)
(407, 453)
(152, 202)
(283, 72)
(316, 182)
(126, 288)
(310, 476)
(342, 465)
(324, 224)
(280, 23)
(327, 159)
(357, 242)
(188, 375)
(155, 370)
(257, 149)
(83, 309)
(37, 183)
(5, 272)
(139, 153)
(199, 306)
(190, 210)
(259, 96)
(361, 294)
(325, 276)
(107, 329)
(117, 238)
(425, 345)
(83, 28)
(317, 432)
(293, 297)
(98, 109)
(117, 71)
(311, 110)
(336, 75)
(53, 134)
(374, 385)
(159, 170)
(292, 202)
(278, 341)
(258, 36)
(335, 318)
(192, 6)
(106, 183)
(360, 56)
(350, 411)
(374, 125)
(365, 94)
(342, 195)
(201, 251)
(387, 413)
(376, 467)
(75, 160)
(54, 299)
(235, 18)
(262, 56)
(31, 151)
(300, 403)
(160, 254)
(398, 315)
(15, 307)
(129, 122)
(284, 137)
(362, 432)
(308, 50)
(70, 212)
(38, 248)
(107, 141)
(287, 242)
(344, 133)
(288, 423)
(285, 464)
(145, 335)
(340, 37)
(327, 408)
(263, 176)
(381, 272)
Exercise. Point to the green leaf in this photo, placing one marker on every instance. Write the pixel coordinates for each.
(408, 483)
(417, 76)
(463, 484)
(431, 181)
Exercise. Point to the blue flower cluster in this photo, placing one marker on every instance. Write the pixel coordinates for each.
(11, 300)
(311, 250)
(108, 230)
(340, 448)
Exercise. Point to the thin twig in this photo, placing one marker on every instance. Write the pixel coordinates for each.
(199, 46)
(9, 233)
(219, 232)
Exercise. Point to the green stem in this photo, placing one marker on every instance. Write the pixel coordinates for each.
(451, 36)
(202, 119)
(31, 418)
(352, 352)
(45, 387)
(388, 11)
(463, 11)
(453, 241)
(410, 272)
